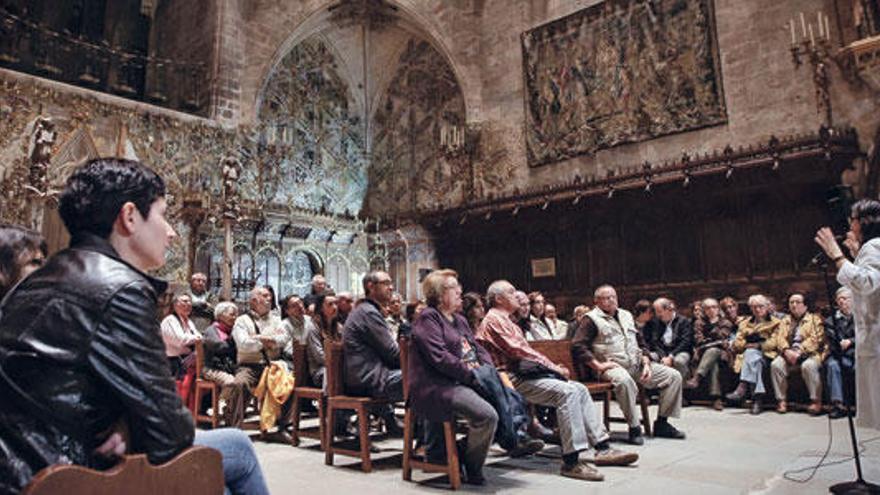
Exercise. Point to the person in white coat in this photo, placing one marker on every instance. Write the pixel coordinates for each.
(862, 277)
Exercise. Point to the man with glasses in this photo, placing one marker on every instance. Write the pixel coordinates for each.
(803, 346)
(372, 357)
(711, 348)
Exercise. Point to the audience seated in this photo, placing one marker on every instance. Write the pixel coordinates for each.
(443, 381)
(841, 363)
(756, 344)
(538, 326)
(179, 335)
(294, 322)
(607, 341)
(21, 252)
(323, 325)
(319, 285)
(671, 340)
(473, 309)
(203, 301)
(220, 364)
(344, 305)
(558, 328)
(643, 313)
(372, 357)
(730, 308)
(712, 333)
(578, 314)
(543, 382)
(95, 305)
(259, 340)
(802, 345)
(394, 314)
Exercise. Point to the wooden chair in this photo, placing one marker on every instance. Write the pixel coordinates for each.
(202, 386)
(334, 361)
(300, 393)
(451, 468)
(195, 471)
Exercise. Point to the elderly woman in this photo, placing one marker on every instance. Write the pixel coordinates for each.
(220, 363)
(179, 334)
(441, 369)
(757, 343)
(21, 252)
(323, 325)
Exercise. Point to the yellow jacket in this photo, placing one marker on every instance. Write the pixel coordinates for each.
(273, 390)
(812, 330)
(771, 330)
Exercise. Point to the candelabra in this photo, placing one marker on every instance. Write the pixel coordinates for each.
(815, 48)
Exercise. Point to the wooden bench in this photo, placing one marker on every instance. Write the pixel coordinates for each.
(300, 393)
(334, 361)
(451, 468)
(195, 471)
(560, 352)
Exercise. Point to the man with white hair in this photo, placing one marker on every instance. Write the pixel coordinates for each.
(672, 339)
(803, 349)
(756, 344)
(607, 341)
(558, 328)
(840, 329)
(319, 285)
(543, 382)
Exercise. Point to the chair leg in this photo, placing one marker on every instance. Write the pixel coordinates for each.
(322, 423)
(452, 468)
(197, 400)
(364, 430)
(294, 419)
(646, 415)
(407, 444)
(328, 435)
(606, 410)
(215, 407)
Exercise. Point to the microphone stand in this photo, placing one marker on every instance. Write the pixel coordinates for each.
(859, 486)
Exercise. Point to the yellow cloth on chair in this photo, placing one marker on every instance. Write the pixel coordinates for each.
(273, 390)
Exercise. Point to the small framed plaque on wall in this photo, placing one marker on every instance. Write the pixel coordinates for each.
(543, 267)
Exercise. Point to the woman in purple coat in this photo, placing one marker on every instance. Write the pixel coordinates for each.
(441, 370)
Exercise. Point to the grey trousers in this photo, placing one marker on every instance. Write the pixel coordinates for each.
(482, 421)
(626, 390)
(233, 390)
(682, 363)
(710, 367)
(753, 369)
(810, 371)
(579, 423)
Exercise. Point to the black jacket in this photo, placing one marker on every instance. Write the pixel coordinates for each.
(80, 349)
(839, 327)
(682, 337)
(370, 351)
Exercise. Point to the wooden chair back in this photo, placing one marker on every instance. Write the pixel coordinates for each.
(334, 363)
(300, 365)
(200, 358)
(558, 351)
(403, 343)
(195, 471)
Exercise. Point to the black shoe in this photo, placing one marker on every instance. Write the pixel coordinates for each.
(525, 447)
(279, 436)
(837, 412)
(666, 430)
(475, 478)
(635, 436)
(756, 406)
(737, 395)
(394, 427)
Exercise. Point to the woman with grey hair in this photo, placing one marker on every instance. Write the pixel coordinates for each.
(180, 335)
(21, 252)
(220, 363)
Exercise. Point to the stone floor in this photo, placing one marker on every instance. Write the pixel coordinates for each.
(726, 452)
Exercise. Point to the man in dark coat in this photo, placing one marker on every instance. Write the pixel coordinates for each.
(671, 337)
(80, 347)
(372, 357)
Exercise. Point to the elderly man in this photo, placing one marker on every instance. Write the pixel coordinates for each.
(344, 305)
(543, 382)
(394, 314)
(294, 322)
(372, 358)
(203, 301)
(607, 341)
(712, 333)
(840, 330)
(558, 328)
(671, 340)
(259, 339)
(319, 285)
(756, 344)
(803, 346)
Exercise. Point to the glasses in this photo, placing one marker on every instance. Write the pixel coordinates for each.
(384, 282)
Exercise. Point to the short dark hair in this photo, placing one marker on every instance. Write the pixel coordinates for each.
(97, 190)
(371, 277)
(16, 242)
(642, 306)
(867, 213)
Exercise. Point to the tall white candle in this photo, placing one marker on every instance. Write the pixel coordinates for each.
(819, 22)
(827, 31)
(793, 37)
(812, 40)
(803, 25)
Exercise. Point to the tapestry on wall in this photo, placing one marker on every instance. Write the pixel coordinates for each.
(620, 72)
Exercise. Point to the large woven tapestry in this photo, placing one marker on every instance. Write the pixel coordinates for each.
(620, 72)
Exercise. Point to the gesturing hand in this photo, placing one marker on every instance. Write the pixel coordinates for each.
(825, 240)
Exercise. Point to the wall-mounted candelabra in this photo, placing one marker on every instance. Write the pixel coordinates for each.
(811, 41)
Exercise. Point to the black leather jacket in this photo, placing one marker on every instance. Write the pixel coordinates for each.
(80, 349)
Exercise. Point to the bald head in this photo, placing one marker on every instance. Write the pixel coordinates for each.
(259, 300)
(664, 308)
(605, 298)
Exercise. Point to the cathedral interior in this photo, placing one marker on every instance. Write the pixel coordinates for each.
(680, 147)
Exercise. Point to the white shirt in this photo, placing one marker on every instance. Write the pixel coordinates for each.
(177, 338)
(249, 348)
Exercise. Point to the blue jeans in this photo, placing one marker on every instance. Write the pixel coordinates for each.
(835, 369)
(241, 469)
